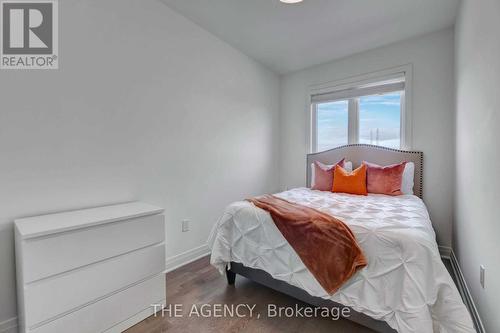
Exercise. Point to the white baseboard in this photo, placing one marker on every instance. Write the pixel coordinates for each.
(186, 257)
(9, 325)
(465, 293)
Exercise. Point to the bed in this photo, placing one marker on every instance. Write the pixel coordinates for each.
(404, 288)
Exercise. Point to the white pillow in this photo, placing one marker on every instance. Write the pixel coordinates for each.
(347, 167)
(407, 182)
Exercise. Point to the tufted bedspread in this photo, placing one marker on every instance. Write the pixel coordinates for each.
(405, 282)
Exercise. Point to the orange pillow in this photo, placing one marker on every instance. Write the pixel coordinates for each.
(350, 182)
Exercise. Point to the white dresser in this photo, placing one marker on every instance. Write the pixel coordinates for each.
(92, 270)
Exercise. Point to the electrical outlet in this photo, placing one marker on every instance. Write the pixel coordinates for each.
(185, 225)
(481, 275)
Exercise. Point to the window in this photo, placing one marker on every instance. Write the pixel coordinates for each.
(332, 124)
(380, 120)
(371, 114)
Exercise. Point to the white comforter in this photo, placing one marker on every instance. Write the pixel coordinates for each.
(405, 282)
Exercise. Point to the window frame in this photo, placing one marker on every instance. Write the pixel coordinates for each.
(353, 106)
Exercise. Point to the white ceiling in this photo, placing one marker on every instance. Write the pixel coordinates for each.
(291, 37)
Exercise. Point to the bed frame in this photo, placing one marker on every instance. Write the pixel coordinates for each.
(356, 153)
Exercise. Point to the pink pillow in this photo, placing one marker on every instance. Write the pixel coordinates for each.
(384, 180)
(323, 176)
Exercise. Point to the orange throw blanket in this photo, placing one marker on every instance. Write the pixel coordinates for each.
(326, 245)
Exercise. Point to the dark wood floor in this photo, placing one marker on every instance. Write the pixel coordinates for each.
(199, 283)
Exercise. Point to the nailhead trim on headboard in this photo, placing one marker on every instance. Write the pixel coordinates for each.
(421, 158)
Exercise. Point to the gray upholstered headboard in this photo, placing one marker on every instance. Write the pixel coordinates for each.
(357, 153)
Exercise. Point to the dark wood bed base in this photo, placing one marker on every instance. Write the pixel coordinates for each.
(267, 280)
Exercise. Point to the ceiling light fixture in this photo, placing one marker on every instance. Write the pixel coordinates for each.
(291, 1)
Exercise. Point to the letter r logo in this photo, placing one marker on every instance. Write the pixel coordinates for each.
(27, 27)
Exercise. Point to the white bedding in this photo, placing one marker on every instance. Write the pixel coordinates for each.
(405, 282)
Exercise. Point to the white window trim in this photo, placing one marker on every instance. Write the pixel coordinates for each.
(353, 121)
(360, 80)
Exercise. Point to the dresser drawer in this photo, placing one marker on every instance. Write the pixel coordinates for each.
(54, 254)
(51, 297)
(106, 313)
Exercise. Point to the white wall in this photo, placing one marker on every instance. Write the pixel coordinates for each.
(145, 105)
(433, 114)
(477, 208)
